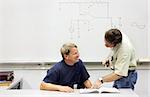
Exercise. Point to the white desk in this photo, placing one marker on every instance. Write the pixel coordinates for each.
(41, 93)
(16, 84)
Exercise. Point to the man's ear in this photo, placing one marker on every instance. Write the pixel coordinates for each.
(65, 56)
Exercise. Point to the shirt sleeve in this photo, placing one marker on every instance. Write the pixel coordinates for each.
(122, 63)
(51, 77)
(85, 74)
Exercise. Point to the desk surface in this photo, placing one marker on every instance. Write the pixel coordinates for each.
(42, 93)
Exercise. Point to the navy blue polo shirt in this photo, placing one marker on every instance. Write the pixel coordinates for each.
(66, 75)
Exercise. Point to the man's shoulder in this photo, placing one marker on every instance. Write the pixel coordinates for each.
(80, 61)
(80, 64)
(57, 65)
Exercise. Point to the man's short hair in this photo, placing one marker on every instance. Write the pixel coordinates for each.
(113, 36)
(65, 49)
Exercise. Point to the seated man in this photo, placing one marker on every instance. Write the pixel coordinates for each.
(67, 74)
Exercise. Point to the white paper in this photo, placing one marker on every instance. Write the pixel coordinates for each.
(100, 90)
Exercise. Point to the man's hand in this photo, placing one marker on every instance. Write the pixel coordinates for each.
(97, 84)
(106, 63)
(65, 89)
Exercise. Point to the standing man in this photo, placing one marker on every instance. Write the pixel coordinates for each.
(122, 61)
(67, 74)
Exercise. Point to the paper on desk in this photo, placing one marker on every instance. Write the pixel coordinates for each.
(100, 90)
(85, 91)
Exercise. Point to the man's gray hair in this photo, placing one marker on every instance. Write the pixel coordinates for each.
(65, 49)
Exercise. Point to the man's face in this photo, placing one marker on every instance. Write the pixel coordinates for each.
(73, 55)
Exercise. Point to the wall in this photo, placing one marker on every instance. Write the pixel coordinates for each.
(149, 84)
(149, 44)
(33, 75)
(33, 78)
(149, 26)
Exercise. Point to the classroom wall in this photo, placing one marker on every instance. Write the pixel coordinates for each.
(149, 44)
(149, 84)
(32, 77)
(149, 27)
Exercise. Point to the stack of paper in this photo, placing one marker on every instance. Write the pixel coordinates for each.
(5, 83)
(100, 90)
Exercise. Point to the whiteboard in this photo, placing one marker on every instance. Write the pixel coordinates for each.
(35, 30)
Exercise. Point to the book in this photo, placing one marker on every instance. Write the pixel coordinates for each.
(5, 83)
(100, 90)
(6, 75)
